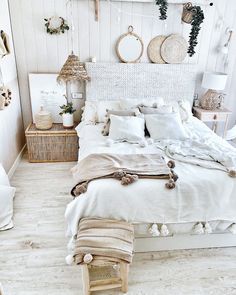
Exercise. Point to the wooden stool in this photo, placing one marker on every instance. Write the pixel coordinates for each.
(109, 282)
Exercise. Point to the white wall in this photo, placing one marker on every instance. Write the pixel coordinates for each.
(37, 51)
(11, 125)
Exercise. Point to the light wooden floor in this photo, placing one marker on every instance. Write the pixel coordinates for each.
(32, 254)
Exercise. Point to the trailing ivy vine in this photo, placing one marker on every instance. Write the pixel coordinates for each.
(198, 17)
(163, 6)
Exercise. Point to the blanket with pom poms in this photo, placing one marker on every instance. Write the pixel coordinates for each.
(127, 168)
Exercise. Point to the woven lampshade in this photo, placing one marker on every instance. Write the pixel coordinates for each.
(73, 69)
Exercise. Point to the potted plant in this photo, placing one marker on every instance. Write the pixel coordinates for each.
(67, 115)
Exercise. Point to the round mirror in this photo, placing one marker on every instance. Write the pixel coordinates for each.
(129, 47)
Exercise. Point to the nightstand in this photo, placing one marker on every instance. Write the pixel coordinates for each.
(54, 145)
(215, 116)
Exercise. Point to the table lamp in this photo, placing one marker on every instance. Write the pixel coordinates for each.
(214, 82)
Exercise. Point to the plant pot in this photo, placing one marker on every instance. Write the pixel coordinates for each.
(68, 120)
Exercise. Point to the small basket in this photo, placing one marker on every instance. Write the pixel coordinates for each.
(43, 120)
(188, 12)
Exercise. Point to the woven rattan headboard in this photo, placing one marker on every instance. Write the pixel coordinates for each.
(113, 81)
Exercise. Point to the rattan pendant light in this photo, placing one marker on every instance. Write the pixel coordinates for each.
(72, 70)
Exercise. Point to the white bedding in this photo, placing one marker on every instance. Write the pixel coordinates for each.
(201, 194)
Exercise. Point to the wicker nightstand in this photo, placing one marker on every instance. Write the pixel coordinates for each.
(54, 145)
(214, 116)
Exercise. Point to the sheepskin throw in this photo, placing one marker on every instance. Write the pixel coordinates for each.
(126, 168)
(103, 237)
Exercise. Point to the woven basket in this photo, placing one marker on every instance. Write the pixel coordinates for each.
(188, 13)
(55, 145)
(43, 120)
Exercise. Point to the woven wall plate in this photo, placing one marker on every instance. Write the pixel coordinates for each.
(174, 49)
(154, 49)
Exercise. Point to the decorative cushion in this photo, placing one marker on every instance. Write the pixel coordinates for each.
(157, 110)
(127, 104)
(124, 113)
(89, 112)
(165, 126)
(128, 128)
(6, 208)
(102, 107)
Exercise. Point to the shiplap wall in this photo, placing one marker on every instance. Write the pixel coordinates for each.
(37, 51)
(11, 125)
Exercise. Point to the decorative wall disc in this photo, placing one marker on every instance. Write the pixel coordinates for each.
(154, 49)
(174, 49)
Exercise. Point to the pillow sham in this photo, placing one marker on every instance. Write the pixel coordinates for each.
(134, 103)
(158, 110)
(125, 113)
(165, 126)
(6, 209)
(126, 128)
(89, 112)
(102, 107)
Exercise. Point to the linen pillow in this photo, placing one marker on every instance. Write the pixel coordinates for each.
(103, 106)
(3, 176)
(127, 104)
(6, 208)
(127, 128)
(89, 114)
(165, 126)
(125, 113)
(158, 110)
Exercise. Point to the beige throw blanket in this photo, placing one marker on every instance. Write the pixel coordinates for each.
(104, 237)
(126, 168)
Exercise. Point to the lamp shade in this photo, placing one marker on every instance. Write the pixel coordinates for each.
(72, 70)
(214, 81)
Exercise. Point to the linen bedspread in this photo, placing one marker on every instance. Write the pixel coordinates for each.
(201, 194)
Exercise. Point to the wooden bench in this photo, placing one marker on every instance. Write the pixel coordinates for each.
(113, 274)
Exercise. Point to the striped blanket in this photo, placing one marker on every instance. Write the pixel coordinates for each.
(104, 237)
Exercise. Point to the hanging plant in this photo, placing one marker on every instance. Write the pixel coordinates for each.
(163, 6)
(195, 16)
(56, 25)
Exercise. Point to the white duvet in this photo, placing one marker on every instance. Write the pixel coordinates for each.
(201, 194)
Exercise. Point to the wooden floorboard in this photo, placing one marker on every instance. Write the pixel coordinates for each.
(32, 254)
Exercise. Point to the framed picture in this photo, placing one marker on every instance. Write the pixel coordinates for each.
(46, 92)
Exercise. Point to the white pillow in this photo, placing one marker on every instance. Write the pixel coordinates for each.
(6, 206)
(127, 104)
(184, 108)
(103, 106)
(128, 128)
(158, 110)
(3, 177)
(165, 126)
(89, 112)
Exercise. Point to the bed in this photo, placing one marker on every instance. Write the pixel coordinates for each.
(202, 195)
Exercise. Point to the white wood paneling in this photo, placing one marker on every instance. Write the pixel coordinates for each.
(38, 51)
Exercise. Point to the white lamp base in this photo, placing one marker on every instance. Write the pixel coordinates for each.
(212, 100)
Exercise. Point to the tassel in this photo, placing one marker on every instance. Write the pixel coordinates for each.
(88, 258)
(154, 231)
(207, 228)
(143, 144)
(150, 141)
(71, 244)
(232, 173)
(164, 230)
(69, 259)
(128, 179)
(171, 164)
(109, 142)
(198, 229)
(81, 188)
(232, 228)
(170, 184)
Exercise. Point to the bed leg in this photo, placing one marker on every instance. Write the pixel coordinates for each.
(86, 281)
(124, 273)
